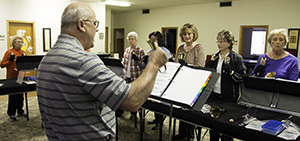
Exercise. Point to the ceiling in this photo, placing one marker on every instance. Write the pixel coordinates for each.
(152, 4)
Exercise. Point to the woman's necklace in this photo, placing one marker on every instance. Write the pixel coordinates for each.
(277, 57)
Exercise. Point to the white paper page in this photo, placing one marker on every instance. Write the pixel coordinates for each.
(290, 133)
(164, 77)
(256, 124)
(20, 77)
(186, 85)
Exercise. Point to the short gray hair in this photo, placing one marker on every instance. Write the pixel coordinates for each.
(14, 38)
(134, 34)
(73, 13)
(278, 31)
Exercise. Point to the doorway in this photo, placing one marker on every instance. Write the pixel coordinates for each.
(119, 42)
(253, 41)
(170, 37)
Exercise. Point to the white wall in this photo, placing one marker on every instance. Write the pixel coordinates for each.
(210, 19)
(45, 14)
(100, 15)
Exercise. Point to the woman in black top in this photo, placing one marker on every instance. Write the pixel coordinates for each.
(231, 68)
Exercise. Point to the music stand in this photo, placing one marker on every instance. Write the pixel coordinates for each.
(27, 63)
(113, 64)
(272, 94)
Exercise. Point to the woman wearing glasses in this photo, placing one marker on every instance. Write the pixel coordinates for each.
(230, 66)
(133, 64)
(15, 102)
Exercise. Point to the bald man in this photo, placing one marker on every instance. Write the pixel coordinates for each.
(77, 93)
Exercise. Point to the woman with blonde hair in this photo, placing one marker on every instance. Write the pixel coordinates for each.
(190, 53)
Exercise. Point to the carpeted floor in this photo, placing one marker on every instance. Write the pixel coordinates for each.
(23, 130)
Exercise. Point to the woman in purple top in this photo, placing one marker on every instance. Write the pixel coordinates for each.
(277, 63)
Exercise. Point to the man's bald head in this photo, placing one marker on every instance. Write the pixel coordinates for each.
(75, 11)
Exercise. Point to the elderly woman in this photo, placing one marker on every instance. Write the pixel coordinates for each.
(277, 63)
(15, 102)
(230, 65)
(133, 64)
(190, 53)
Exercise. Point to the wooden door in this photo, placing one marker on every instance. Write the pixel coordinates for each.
(26, 30)
(119, 41)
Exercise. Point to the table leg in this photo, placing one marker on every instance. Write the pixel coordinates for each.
(142, 122)
(116, 126)
(26, 102)
(170, 121)
(160, 128)
(174, 127)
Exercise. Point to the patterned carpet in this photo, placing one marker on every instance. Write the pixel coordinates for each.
(31, 130)
(22, 130)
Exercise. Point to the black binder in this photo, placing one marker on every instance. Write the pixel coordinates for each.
(174, 86)
(112, 62)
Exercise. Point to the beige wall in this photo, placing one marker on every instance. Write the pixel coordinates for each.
(100, 11)
(210, 19)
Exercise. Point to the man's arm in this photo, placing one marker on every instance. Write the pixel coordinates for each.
(142, 86)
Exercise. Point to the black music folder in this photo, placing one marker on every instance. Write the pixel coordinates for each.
(103, 55)
(184, 86)
(272, 94)
(114, 65)
(30, 62)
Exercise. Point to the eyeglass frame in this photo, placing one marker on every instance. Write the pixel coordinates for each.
(19, 42)
(95, 23)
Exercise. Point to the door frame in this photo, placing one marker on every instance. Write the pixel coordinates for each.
(106, 40)
(241, 39)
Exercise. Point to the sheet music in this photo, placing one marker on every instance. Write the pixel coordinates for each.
(164, 77)
(186, 85)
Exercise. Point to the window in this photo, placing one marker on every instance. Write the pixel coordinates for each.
(258, 42)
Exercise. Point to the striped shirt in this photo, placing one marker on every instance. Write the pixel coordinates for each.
(77, 93)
